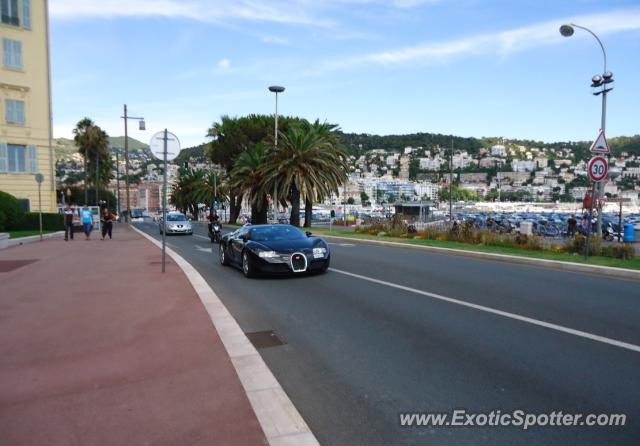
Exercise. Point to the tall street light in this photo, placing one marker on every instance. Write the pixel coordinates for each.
(597, 81)
(276, 89)
(126, 154)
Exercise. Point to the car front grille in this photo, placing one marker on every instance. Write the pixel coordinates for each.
(298, 262)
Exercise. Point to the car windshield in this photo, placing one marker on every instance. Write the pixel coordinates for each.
(276, 233)
(176, 217)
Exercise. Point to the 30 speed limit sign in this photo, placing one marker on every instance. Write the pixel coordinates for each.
(598, 168)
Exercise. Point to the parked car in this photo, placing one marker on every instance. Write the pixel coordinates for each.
(274, 249)
(177, 223)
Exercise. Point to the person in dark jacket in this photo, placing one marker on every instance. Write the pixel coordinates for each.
(106, 220)
(572, 224)
(68, 222)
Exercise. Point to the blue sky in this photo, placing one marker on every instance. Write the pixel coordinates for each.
(463, 67)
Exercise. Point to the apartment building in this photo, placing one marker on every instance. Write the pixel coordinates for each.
(25, 103)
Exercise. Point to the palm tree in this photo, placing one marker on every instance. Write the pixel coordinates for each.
(212, 186)
(93, 145)
(247, 178)
(308, 163)
(184, 194)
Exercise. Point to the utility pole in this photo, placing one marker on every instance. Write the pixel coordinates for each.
(451, 183)
(126, 155)
(86, 192)
(118, 183)
(97, 176)
(126, 164)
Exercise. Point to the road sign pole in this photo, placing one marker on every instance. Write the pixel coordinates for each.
(590, 216)
(164, 207)
(40, 208)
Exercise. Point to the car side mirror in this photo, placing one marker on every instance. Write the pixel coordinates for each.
(309, 234)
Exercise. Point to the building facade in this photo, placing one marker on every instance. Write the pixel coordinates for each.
(25, 103)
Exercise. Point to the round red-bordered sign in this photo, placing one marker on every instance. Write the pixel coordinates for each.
(598, 168)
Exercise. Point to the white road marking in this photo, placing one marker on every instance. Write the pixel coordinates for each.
(200, 248)
(342, 244)
(582, 334)
(201, 236)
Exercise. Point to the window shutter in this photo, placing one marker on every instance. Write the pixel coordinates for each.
(6, 52)
(20, 117)
(3, 157)
(32, 163)
(26, 14)
(8, 110)
(17, 54)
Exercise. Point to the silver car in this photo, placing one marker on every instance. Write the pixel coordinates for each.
(177, 223)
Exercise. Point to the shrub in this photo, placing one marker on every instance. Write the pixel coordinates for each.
(11, 209)
(626, 252)
(30, 221)
(576, 244)
(3, 221)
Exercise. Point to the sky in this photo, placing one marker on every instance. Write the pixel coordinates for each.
(469, 68)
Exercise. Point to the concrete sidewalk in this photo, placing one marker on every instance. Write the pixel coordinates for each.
(98, 347)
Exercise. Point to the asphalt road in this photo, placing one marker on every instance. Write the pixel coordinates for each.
(390, 330)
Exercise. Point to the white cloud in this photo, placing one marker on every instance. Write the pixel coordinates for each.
(297, 12)
(285, 11)
(275, 40)
(500, 43)
(224, 65)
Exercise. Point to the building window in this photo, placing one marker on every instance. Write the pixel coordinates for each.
(12, 53)
(16, 158)
(9, 12)
(14, 112)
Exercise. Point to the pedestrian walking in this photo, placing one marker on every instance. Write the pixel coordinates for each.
(68, 222)
(106, 219)
(572, 223)
(87, 221)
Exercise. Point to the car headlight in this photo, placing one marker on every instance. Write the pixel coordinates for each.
(267, 254)
(319, 251)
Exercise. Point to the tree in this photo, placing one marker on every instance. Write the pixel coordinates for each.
(247, 177)
(364, 199)
(308, 164)
(232, 136)
(458, 193)
(93, 145)
(184, 194)
(212, 184)
(350, 200)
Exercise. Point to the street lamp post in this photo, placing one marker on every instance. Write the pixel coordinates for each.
(126, 154)
(276, 89)
(597, 81)
(117, 184)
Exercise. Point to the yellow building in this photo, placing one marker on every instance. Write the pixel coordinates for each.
(25, 103)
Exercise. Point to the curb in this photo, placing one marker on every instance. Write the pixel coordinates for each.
(281, 422)
(619, 273)
(11, 242)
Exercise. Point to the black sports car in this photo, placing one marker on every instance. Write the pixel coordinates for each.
(274, 249)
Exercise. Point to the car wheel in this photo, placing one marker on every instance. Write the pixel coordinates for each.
(222, 255)
(325, 267)
(247, 267)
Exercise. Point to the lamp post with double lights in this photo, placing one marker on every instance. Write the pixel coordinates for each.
(141, 124)
(276, 89)
(600, 83)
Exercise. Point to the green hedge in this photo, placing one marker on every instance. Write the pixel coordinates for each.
(10, 210)
(29, 221)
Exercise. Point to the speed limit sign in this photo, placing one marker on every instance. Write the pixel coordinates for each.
(598, 168)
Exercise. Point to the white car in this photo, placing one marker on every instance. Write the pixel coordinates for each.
(177, 223)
